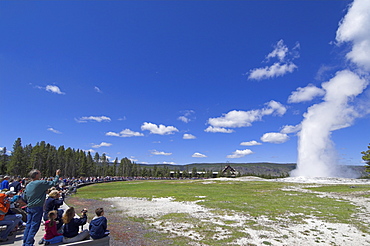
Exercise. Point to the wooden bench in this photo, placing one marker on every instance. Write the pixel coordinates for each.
(91, 242)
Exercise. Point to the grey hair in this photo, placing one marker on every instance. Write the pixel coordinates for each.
(33, 173)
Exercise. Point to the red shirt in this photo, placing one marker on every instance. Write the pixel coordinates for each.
(51, 231)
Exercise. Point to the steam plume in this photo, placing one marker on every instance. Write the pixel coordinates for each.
(316, 154)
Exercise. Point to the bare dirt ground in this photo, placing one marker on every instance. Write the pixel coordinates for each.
(280, 231)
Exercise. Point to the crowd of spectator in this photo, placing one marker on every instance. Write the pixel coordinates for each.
(26, 203)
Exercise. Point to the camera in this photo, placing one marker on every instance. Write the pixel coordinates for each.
(84, 211)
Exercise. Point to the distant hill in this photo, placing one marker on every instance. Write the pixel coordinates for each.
(264, 169)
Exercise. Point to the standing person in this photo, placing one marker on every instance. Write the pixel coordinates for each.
(98, 225)
(35, 195)
(72, 224)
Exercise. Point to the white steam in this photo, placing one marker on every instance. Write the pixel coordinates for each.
(316, 154)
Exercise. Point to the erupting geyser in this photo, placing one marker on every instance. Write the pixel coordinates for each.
(316, 155)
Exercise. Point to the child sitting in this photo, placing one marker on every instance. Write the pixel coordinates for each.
(51, 235)
(98, 225)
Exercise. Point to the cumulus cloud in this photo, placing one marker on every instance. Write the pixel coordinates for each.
(54, 89)
(102, 144)
(198, 155)
(159, 129)
(274, 137)
(168, 162)
(305, 94)
(238, 118)
(188, 136)
(90, 150)
(125, 134)
(187, 116)
(354, 28)
(250, 143)
(54, 130)
(240, 153)
(275, 70)
(93, 118)
(290, 129)
(218, 129)
(280, 68)
(156, 152)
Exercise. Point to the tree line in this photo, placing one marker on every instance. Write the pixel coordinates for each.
(76, 163)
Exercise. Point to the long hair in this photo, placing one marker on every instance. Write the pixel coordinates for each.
(68, 215)
(52, 215)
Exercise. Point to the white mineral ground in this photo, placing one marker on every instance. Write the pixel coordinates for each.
(280, 231)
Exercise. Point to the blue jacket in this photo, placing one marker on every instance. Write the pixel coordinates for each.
(98, 227)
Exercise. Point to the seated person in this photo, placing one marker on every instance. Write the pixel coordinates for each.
(10, 220)
(53, 203)
(51, 234)
(98, 225)
(71, 226)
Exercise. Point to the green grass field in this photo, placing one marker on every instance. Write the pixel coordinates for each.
(255, 199)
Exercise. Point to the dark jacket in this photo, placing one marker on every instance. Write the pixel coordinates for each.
(17, 186)
(98, 227)
(71, 229)
(50, 205)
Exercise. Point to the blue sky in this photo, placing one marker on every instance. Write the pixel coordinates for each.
(174, 82)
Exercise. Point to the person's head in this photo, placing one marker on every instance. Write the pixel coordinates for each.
(99, 211)
(68, 215)
(52, 215)
(54, 194)
(35, 174)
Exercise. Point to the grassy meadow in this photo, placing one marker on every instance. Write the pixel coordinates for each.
(282, 204)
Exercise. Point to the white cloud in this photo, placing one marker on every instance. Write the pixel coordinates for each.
(184, 119)
(240, 153)
(161, 129)
(112, 134)
(279, 68)
(93, 118)
(272, 71)
(274, 137)
(156, 152)
(250, 143)
(97, 89)
(198, 155)
(238, 118)
(53, 130)
(280, 51)
(169, 163)
(188, 136)
(187, 116)
(218, 129)
(90, 150)
(305, 94)
(54, 89)
(125, 134)
(354, 28)
(102, 144)
(290, 129)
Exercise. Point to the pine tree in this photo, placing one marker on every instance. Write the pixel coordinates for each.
(4, 160)
(366, 158)
(16, 158)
